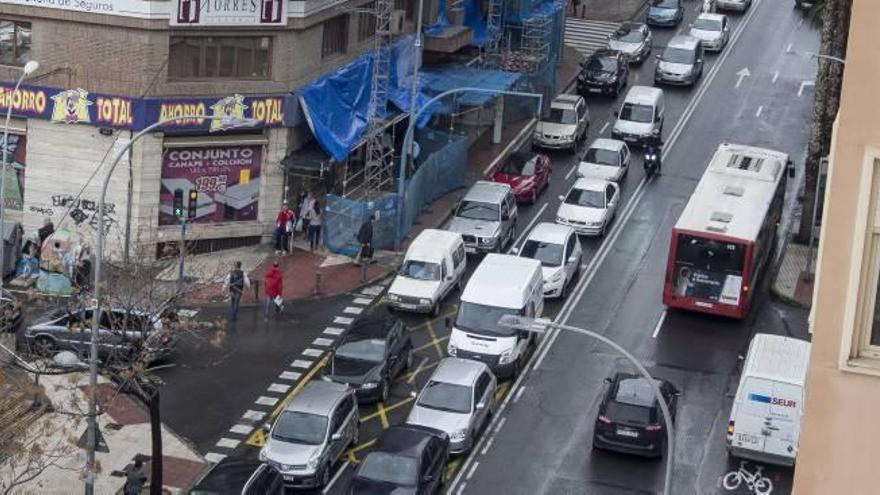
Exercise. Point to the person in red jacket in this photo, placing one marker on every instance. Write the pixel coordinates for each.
(274, 286)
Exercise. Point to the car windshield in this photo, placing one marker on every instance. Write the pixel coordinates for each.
(708, 269)
(678, 56)
(585, 197)
(665, 4)
(604, 157)
(633, 112)
(299, 427)
(601, 64)
(707, 24)
(479, 318)
(629, 35)
(446, 397)
(476, 210)
(397, 470)
(420, 270)
(549, 254)
(519, 164)
(627, 413)
(372, 350)
(562, 116)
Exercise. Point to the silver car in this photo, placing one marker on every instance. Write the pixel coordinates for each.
(311, 433)
(565, 126)
(633, 39)
(485, 217)
(458, 399)
(738, 5)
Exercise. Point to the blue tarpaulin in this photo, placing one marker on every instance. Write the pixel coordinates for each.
(442, 21)
(475, 18)
(336, 106)
(443, 78)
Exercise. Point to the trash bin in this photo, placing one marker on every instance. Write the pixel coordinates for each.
(12, 237)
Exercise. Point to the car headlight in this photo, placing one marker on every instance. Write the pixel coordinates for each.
(370, 385)
(561, 220)
(458, 435)
(393, 297)
(313, 463)
(452, 350)
(506, 357)
(263, 457)
(486, 240)
(425, 302)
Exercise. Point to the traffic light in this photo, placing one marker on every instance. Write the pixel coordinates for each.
(178, 203)
(193, 203)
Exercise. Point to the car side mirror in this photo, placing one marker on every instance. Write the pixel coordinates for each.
(657, 56)
(514, 250)
(481, 405)
(699, 61)
(336, 437)
(691, 25)
(561, 197)
(572, 259)
(607, 380)
(449, 278)
(266, 427)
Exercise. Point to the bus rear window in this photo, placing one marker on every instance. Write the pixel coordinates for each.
(708, 269)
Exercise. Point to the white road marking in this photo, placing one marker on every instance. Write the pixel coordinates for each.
(362, 300)
(741, 74)
(519, 394)
(241, 429)
(800, 22)
(604, 127)
(415, 373)
(572, 171)
(659, 324)
(312, 352)
(788, 48)
(228, 443)
(301, 363)
(471, 472)
(214, 457)
(253, 415)
(322, 342)
(278, 388)
(266, 401)
(803, 85)
(334, 330)
(637, 77)
(461, 488)
(760, 109)
(488, 445)
(290, 375)
(353, 310)
(500, 424)
(373, 290)
(336, 476)
(343, 320)
(697, 7)
(526, 230)
(775, 76)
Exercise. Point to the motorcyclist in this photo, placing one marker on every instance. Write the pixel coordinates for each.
(654, 146)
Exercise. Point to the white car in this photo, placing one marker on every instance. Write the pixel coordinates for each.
(559, 251)
(432, 268)
(606, 159)
(589, 206)
(712, 29)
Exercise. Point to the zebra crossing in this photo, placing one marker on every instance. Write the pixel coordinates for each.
(587, 36)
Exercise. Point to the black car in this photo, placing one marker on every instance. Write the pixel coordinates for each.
(239, 476)
(605, 71)
(406, 460)
(630, 419)
(369, 355)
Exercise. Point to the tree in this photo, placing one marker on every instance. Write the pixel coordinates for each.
(835, 15)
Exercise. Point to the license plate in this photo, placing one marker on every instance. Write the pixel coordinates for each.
(628, 433)
(470, 249)
(629, 139)
(594, 90)
(702, 304)
(408, 306)
(747, 438)
(289, 477)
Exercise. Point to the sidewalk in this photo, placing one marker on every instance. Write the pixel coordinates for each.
(792, 284)
(611, 10)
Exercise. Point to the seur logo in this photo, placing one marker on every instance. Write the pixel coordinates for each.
(776, 401)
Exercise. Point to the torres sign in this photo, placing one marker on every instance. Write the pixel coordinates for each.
(229, 13)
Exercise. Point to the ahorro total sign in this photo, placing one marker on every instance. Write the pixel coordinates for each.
(229, 13)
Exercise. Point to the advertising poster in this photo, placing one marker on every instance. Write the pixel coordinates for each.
(227, 179)
(15, 149)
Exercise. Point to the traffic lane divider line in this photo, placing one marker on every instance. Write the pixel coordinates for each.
(385, 410)
(336, 476)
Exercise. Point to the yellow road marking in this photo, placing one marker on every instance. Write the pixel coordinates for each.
(501, 391)
(423, 368)
(257, 438)
(352, 451)
(383, 418)
(434, 340)
(439, 317)
(384, 410)
(452, 467)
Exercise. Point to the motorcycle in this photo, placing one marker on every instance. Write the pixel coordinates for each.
(651, 161)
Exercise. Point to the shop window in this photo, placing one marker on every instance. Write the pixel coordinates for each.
(335, 38)
(15, 42)
(226, 57)
(366, 23)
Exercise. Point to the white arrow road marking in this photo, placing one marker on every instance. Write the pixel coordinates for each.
(804, 85)
(743, 73)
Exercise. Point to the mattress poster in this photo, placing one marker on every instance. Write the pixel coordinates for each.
(227, 179)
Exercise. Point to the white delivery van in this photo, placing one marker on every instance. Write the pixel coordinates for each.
(765, 420)
(433, 266)
(501, 285)
(640, 117)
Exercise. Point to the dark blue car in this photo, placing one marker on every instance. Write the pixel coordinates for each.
(666, 13)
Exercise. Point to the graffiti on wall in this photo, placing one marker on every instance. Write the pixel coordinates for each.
(15, 149)
(85, 211)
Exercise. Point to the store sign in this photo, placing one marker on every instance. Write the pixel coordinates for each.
(227, 179)
(229, 13)
(144, 9)
(229, 111)
(69, 106)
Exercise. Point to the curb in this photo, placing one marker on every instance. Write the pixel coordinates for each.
(791, 301)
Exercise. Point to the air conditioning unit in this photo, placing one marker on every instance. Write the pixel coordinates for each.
(397, 18)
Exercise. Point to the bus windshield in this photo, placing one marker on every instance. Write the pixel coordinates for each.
(708, 269)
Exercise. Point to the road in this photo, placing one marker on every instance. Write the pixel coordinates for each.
(218, 395)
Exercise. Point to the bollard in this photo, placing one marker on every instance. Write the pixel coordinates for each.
(317, 282)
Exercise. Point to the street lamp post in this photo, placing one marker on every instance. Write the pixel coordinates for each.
(542, 325)
(28, 69)
(99, 265)
(408, 143)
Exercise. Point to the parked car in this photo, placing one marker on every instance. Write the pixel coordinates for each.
(486, 217)
(741, 5)
(240, 476)
(122, 333)
(458, 399)
(630, 419)
(665, 13)
(559, 251)
(565, 126)
(311, 433)
(606, 159)
(712, 29)
(605, 71)
(369, 355)
(405, 460)
(589, 206)
(526, 173)
(681, 62)
(633, 40)
(433, 266)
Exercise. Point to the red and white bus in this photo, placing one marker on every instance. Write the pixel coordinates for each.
(723, 240)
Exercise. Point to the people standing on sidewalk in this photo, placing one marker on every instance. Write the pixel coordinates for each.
(582, 6)
(304, 208)
(45, 232)
(282, 229)
(236, 283)
(313, 217)
(135, 479)
(365, 238)
(274, 286)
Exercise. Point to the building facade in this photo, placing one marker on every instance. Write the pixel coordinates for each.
(840, 430)
(110, 68)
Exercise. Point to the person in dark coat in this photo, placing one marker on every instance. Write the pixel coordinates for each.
(236, 282)
(274, 287)
(365, 238)
(45, 232)
(135, 479)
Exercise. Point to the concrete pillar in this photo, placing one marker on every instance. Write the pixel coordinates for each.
(499, 119)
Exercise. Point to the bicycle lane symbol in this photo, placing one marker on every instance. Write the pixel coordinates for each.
(754, 481)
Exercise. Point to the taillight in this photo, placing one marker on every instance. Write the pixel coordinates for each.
(730, 428)
(603, 419)
(652, 427)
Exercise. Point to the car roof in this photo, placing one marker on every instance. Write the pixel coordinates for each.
(778, 358)
(458, 371)
(634, 390)
(564, 101)
(590, 184)
(487, 192)
(607, 144)
(646, 95)
(376, 327)
(713, 17)
(683, 41)
(508, 278)
(318, 397)
(431, 244)
(550, 232)
(405, 440)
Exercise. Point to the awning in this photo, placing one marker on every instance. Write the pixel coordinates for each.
(211, 141)
(311, 160)
(436, 80)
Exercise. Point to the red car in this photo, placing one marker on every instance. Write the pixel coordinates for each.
(526, 173)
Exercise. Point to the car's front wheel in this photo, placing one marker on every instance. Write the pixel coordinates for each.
(44, 346)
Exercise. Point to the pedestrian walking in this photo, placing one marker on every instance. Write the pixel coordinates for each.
(236, 283)
(283, 223)
(573, 7)
(135, 479)
(582, 6)
(365, 239)
(304, 208)
(274, 287)
(314, 219)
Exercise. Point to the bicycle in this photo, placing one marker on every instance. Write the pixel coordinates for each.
(755, 482)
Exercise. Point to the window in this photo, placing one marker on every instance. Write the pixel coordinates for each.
(366, 23)
(458, 255)
(335, 39)
(570, 246)
(15, 42)
(867, 325)
(212, 57)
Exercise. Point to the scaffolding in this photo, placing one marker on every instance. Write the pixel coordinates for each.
(492, 49)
